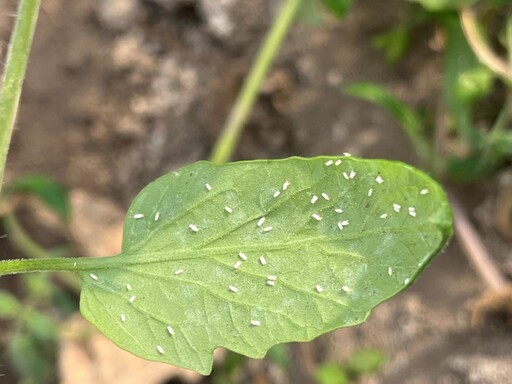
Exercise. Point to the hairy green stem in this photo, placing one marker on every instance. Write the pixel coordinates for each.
(232, 130)
(14, 73)
(25, 244)
(10, 267)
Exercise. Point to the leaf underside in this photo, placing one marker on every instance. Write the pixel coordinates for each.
(200, 267)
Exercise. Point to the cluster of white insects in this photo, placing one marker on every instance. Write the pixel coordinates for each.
(272, 279)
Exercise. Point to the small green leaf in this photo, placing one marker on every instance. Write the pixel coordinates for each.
(363, 361)
(393, 42)
(331, 373)
(474, 83)
(9, 305)
(251, 254)
(53, 194)
(338, 8)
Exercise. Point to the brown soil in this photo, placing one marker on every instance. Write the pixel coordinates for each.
(119, 92)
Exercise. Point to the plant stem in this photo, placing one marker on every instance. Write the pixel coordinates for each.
(10, 267)
(25, 244)
(14, 73)
(232, 130)
(481, 48)
(475, 250)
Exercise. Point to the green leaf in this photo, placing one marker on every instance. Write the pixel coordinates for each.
(393, 42)
(474, 83)
(9, 305)
(363, 361)
(410, 120)
(338, 8)
(331, 373)
(197, 272)
(53, 194)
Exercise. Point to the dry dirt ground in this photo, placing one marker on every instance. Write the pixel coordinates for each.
(119, 92)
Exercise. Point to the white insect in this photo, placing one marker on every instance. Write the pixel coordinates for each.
(316, 216)
(338, 162)
(277, 193)
(352, 174)
(193, 228)
(340, 226)
(314, 199)
(157, 216)
(338, 210)
(160, 349)
(138, 216)
(261, 221)
(384, 215)
(179, 271)
(325, 196)
(412, 211)
(347, 154)
(424, 191)
(208, 187)
(329, 163)
(370, 191)
(243, 256)
(93, 276)
(286, 184)
(407, 281)
(128, 287)
(390, 271)
(345, 175)
(228, 210)
(170, 330)
(237, 264)
(123, 317)
(379, 179)
(345, 222)
(256, 323)
(267, 229)
(318, 288)
(346, 289)
(272, 277)
(271, 282)
(232, 288)
(396, 207)
(132, 299)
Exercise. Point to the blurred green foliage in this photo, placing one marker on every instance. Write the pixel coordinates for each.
(443, 5)
(33, 316)
(468, 136)
(53, 194)
(361, 362)
(338, 8)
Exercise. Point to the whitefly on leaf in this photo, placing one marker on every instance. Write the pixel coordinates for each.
(304, 248)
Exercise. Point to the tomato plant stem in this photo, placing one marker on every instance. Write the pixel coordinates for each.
(10, 267)
(240, 111)
(14, 73)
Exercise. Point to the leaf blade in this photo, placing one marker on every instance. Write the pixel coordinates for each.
(324, 277)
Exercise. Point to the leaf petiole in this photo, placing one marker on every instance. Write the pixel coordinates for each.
(10, 267)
